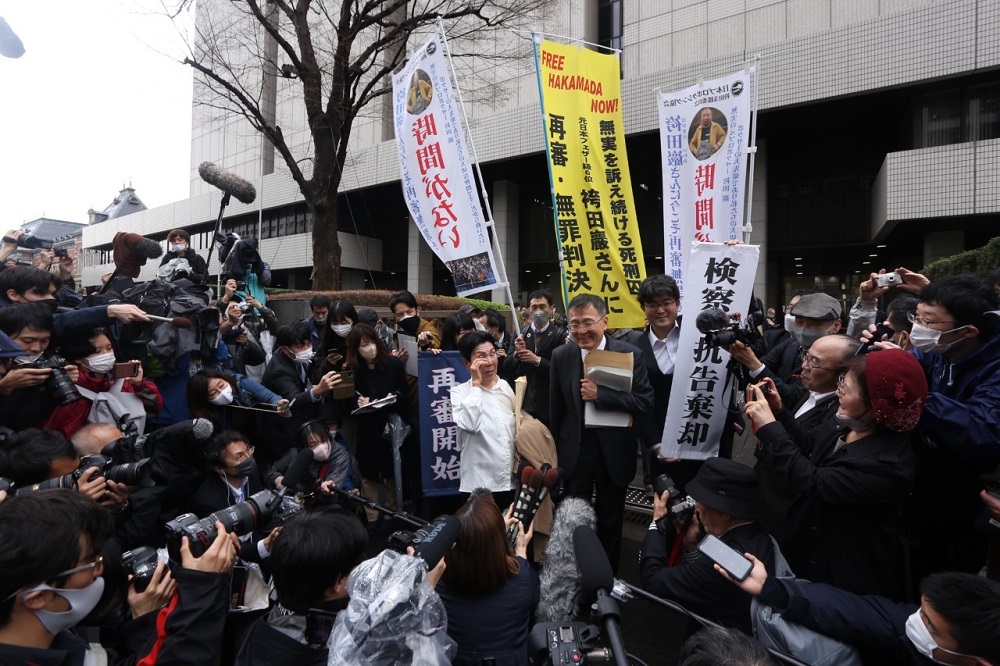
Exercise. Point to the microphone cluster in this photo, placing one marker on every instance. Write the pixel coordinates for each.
(536, 484)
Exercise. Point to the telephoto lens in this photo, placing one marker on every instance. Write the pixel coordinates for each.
(131, 474)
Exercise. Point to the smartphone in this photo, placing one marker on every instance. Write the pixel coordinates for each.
(127, 370)
(737, 566)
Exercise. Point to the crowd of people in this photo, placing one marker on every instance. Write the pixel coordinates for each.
(204, 488)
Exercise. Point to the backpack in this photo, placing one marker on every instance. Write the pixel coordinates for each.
(775, 632)
(111, 405)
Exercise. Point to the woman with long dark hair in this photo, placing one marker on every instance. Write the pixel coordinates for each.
(489, 589)
(333, 341)
(219, 396)
(377, 374)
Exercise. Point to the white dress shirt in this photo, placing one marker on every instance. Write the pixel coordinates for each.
(665, 350)
(813, 400)
(601, 345)
(485, 420)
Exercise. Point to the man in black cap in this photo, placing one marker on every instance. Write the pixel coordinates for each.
(725, 496)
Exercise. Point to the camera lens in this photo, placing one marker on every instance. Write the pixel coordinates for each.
(131, 474)
(62, 387)
(664, 482)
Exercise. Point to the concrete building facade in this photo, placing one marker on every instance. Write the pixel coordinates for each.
(878, 137)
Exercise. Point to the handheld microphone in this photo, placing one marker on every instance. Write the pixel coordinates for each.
(597, 580)
(559, 580)
(711, 319)
(550, 478)
(293, 476)
(228, 182)
(433, 541)
(176, 322)
(531, 481)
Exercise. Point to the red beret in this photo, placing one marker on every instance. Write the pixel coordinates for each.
(897, 388)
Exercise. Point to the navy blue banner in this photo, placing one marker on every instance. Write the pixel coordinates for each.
(439, 450)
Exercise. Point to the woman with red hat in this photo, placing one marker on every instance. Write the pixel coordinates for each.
(846, 528)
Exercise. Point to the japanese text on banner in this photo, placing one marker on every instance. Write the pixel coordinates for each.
(720, 277)
(594, 209)
(704, 133)
(440, 455)
(437, 178)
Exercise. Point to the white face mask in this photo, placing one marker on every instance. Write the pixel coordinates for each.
(225, 396)
(101, 363)
(368, 352)
(321, 452)
(926, 339)
(851, 423)
(178, 247)
(81, 602)
(790, 323)
(27, 359)
(341, 329)
(304, 357)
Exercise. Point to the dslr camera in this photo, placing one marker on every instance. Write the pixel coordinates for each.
(256, 512)
(722, 329)
(141, 563)
(680, 506)
(888, 280)
(131, 474)
(29, 242)
(58, 384)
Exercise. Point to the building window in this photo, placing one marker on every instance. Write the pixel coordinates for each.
(609, 27)
(956, 116)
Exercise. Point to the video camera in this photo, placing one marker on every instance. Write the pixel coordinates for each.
(566, 643)
(680, 506)
(58, 384)
(257, 511)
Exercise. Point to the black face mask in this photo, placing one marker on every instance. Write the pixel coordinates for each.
(246, 468)
(410, 324)
(52, 303)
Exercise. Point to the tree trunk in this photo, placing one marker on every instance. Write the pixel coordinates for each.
(326, 244)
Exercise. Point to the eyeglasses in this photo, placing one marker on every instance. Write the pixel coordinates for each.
(97, 565)
(914, 319)
(842, 389)
(584, 325)
(240, 457)
(661, 305)
(813, 363)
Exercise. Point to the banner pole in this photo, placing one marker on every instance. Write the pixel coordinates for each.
(752, 150)
(535, 40)
(490, 224)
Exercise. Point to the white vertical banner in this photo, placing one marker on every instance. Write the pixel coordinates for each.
(704, 134)
(719, 277)
(436, 172)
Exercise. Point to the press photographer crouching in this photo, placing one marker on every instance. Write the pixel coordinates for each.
(51, 579)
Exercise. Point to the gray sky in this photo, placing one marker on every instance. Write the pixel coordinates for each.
(93, 104)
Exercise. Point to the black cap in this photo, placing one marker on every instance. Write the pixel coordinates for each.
(726, 485)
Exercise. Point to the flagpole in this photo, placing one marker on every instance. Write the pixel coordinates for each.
(752, 149)
(490, 224)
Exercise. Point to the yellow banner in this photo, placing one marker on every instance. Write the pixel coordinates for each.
(592, 189)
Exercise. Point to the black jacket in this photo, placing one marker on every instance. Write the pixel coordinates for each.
(265, 643)
(846, 528)
(618, 445)
(199, 269)
(536, 397)
(696, 585)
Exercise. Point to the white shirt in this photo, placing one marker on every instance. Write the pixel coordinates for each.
(485, 420)
(601, 345)
(813, 400)
(665, 350)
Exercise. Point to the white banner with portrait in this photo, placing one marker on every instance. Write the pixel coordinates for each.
(720, 277)
(704, 134)
(436, 172)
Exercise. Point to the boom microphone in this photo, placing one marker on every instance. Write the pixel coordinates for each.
(560, 580)
(711, 319)
(293, 477)
(130, 252)
(228, 182)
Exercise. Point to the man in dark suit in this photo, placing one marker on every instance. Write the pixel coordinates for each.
(601, 459)
(811, 423)
(532, 352)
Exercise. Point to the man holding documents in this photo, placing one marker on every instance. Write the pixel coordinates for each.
(595, 414)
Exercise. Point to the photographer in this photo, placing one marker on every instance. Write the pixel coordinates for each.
(261, 316)
(179, 247)
(310, 561)
(956, 622)
(244, 347)
(50, 579)
(27, 391)
(726, 499)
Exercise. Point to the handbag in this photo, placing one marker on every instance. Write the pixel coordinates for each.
(775, 632)
(112, 405)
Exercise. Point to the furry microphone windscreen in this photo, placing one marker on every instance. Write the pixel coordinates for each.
(229, 183)
(130, 252)
(560, 577)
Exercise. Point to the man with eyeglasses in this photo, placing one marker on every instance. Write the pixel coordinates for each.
(596, 462)
(51, 579)
(812, 422)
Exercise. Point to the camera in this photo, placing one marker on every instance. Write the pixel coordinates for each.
(61, 252)
(566, 643)
(880, 330)
(6, 484)
(431, 542)
(722, 329)
(241, 286)
(141, 563)
(131, 474)
(29, 242)
(58, 384)
(889, 280)
(680, 506)
(240, 519)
